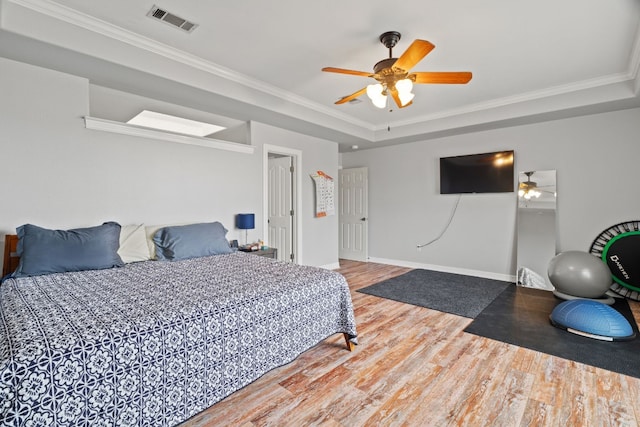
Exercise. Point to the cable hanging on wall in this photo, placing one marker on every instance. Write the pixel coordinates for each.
(453, 212)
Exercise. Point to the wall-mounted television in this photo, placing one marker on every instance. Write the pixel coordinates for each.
(477, 173)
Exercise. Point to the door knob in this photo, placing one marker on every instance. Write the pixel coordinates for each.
(363, 219)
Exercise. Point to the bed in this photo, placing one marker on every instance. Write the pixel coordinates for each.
(153, 343)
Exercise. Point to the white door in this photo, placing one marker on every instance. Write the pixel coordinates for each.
(280, 206)
(354, 210)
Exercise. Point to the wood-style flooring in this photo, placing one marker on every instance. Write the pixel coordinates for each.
(416, 367)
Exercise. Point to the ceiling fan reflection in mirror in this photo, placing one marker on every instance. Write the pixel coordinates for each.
(529, 189)
(394, 77)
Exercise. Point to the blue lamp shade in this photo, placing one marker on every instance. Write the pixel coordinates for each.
(245, 221)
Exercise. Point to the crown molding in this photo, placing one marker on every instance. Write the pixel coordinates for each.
(106, 29)
(634, 63)
(113, 32)
(520, 98)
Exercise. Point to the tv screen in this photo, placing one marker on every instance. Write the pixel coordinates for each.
(477, 173)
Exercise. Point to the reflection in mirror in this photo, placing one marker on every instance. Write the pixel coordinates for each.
(536, 227)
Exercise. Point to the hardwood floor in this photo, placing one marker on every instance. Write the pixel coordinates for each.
(416, 367)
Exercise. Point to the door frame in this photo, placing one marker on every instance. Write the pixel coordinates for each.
(296, 179)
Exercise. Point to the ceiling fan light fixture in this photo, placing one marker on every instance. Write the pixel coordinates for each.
(529, 189)
(406, 98)
(404, 88)
(380, 102)
(528, 194)
(374, 92)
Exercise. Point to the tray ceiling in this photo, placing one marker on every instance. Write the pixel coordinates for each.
(253, 60)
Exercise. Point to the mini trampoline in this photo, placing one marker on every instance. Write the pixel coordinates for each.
(619, 247)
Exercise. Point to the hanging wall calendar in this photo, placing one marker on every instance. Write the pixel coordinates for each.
(324, 194)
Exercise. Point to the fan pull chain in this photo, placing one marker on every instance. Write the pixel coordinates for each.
(391, 111)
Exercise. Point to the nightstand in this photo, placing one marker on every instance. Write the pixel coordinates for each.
(267, 253)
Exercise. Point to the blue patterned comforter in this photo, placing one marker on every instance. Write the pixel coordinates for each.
(154, 343)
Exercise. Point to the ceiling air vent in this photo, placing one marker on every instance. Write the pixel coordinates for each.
(171, 19)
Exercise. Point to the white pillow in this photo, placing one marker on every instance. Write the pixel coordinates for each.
(150, 231)
(133, 244)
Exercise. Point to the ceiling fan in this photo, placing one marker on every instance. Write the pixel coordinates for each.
(394, 76)
(530, 189)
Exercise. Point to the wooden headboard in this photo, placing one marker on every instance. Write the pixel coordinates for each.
(11, 258)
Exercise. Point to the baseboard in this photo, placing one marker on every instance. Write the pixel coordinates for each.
(466, 272)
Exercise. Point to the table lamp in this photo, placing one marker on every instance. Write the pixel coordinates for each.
(246, 222)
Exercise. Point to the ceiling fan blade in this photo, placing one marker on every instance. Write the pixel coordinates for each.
(344, 71)
(352, 96)
(414, 53)
(443, 77)
(396, 97)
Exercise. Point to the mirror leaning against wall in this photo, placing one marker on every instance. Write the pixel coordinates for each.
(536, 227)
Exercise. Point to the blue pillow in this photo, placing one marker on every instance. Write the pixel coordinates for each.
(191, 241)
(44, 251)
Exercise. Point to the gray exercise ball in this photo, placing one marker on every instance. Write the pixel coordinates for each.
(579, 274)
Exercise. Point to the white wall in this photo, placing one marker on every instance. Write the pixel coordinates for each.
(60, 175)
(596, 161)
(320, 235)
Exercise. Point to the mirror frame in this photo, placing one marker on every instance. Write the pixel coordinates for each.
(536, 228)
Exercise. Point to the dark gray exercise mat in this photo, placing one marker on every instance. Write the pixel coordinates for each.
(520, 316)
(452, 293)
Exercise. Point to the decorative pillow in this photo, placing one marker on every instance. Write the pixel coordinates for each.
(150, 232)
(191, 241)
(133, 244)
(44, 251)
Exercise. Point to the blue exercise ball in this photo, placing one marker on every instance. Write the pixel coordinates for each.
(579, 274)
